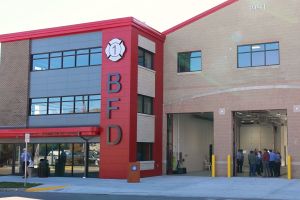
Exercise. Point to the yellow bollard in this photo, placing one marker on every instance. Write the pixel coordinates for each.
(213, 166)
(228, 166)
(289, 168)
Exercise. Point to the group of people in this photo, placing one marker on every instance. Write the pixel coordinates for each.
(266, 164)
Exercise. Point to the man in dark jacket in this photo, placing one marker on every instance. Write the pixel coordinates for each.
(252, 163)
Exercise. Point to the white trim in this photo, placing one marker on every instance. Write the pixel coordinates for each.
(147, 165)
(189, 73)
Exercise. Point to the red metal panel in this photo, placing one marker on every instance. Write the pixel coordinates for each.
(50, 132)
(115, 158)
(200, 16)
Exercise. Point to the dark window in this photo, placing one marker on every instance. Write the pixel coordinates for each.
(145, 104)
(189, 61)
(255, 55)
(65, 105)
(144, 151)
(145, 58)
(67, 59)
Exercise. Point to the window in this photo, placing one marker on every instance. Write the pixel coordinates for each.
(189, 61)
(67, 59)
(145, 104)
(39, 106)
(145, 58)
(65, 105)
(144, 151)
(255, 55)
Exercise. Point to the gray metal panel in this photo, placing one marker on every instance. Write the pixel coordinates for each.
(64, 82)
(68, 42)
(92, 119)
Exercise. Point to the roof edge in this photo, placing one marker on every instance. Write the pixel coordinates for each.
(200, 16)
(79, 28)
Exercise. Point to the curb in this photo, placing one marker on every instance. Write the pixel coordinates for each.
(41, 189)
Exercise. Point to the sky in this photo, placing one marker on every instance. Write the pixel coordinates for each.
(24, 15)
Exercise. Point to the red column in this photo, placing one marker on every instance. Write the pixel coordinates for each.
(114, 158)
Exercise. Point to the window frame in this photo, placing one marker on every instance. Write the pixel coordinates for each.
(143, 104)
(190, 52)
(144, 58)
(62, 56)
(61, 104)
(264, 51)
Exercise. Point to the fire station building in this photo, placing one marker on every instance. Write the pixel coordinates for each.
(97, 96)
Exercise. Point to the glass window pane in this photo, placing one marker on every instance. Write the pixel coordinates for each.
(195, 64)
(96, 50)
(95, 59)
(83, 51)
(56, 54)
(244, 60)
(69, 61)
(38, 109)
(55, 63)
(148, 105)
(242, 49)
(258, 47)
(94, 106)
(39, 100)
(258, 58)
(141, 57)
(195, 54)
(40, 64)
(54, 99)
(82, 60)
(272, 46)
(69, 53)
(94, 97)
(183, 62)
(44, 55)
(148, 60)
(81, 106)
(54, 108)
(140, 104)
(272, 57)
(67, 98)
(67, 107)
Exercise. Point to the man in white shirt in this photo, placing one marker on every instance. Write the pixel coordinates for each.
(25, 156)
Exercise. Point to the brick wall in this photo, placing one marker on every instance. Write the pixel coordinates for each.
(14, 84)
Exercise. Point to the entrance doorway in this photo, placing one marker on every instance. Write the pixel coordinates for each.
(190, 143)
(254, 131)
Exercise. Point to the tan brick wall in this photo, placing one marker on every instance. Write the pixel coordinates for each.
(221, 84)
(14, 84)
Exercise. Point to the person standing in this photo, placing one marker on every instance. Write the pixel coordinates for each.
(265, 163)
(272, 163)
(25, 156)
(277, 164)
(252, 163)
(240, 161)
(258, 163)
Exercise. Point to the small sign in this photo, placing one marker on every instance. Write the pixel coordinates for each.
(115, 49)
(27, 137)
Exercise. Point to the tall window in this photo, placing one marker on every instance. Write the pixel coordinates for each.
(65, 105)
(145, 58)
(255, 55)
(67, 59)
(189, 61)
(144, 151)
(145, 104)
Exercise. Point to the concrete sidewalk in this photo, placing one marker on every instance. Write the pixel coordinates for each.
(177, 186)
